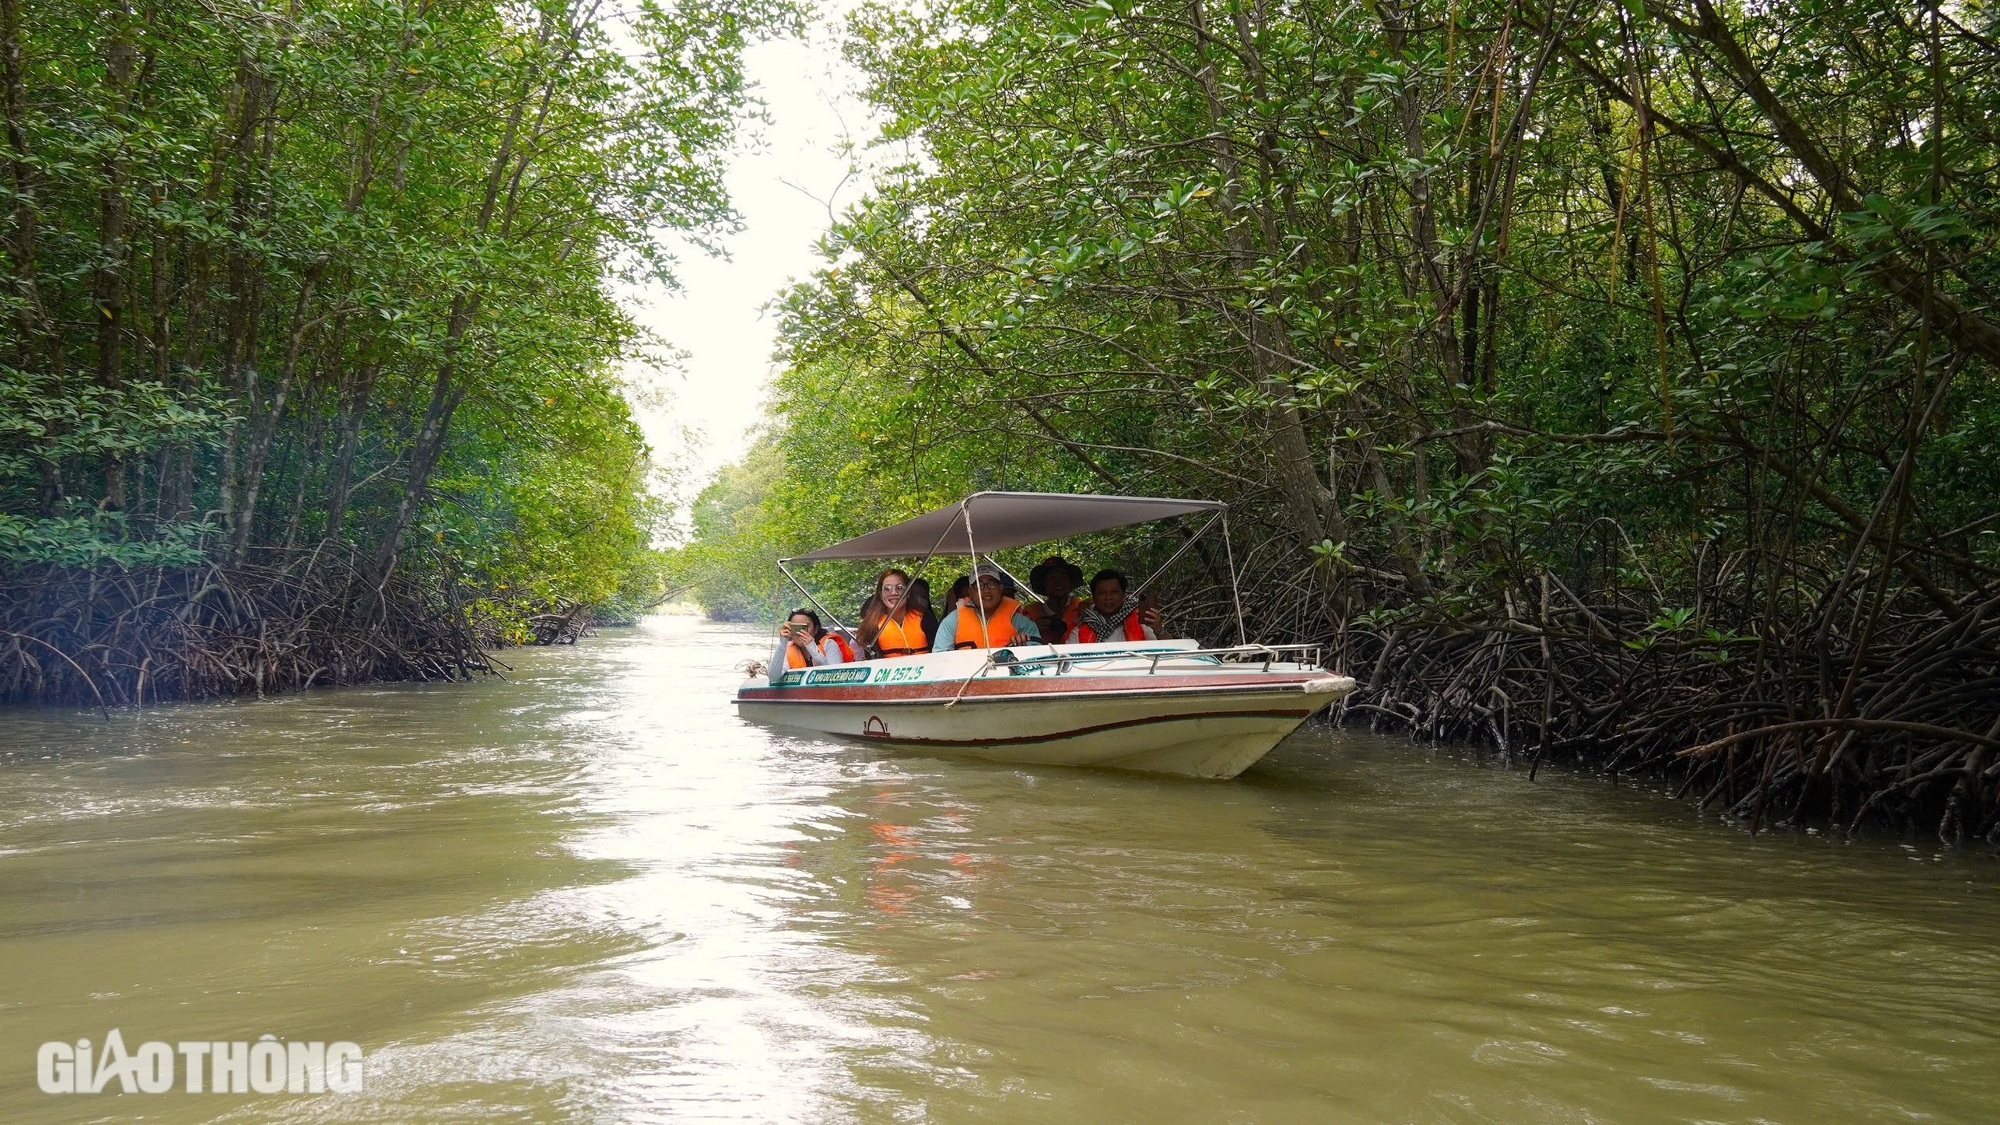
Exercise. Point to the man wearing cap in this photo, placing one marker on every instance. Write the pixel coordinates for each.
(989, 619)
(1055, 578)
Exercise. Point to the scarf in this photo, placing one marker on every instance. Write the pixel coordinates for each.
(1106, 628)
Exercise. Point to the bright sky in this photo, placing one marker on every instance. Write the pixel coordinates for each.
(778, 181)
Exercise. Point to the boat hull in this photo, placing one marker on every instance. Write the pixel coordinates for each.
(1212, 722)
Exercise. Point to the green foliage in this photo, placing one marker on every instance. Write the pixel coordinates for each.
(1421, 299)
(45, 421)
(737, 534)
(97, 538)
(344, 272)
(563, 512)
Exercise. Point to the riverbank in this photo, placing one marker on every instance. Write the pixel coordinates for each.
(588, 891)
(284, 621)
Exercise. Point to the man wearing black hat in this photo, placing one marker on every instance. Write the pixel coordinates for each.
(1055, 579)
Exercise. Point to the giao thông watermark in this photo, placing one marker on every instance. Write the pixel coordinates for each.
(266, 1066)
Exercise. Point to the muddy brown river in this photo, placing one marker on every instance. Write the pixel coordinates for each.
(591, 894)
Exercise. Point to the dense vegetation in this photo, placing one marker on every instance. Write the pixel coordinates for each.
(1602, 379)
(308, 338)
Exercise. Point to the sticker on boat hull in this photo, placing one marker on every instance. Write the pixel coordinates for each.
(829, 676)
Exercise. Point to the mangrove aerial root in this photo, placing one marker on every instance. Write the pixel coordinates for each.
(1855, 710)
(1760, 730)
(281, 621)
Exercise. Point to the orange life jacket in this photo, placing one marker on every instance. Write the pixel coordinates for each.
(1071, 614)
(1133, 628)
(796, 659)
(846, 650)
(972, 631)
(904, 637)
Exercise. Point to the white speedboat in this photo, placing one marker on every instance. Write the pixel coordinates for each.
(1166, 706)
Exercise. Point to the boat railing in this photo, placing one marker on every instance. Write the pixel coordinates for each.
(1267, 655)
(1241, 654)
(1020, 665)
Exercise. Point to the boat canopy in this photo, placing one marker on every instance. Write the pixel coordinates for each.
(998, 521)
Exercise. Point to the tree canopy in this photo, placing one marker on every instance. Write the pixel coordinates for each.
(342, 272)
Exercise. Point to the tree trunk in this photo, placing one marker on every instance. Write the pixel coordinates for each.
(428, 447)
(257, 453)
(21, 241)
(353, 409)
(246, 286)
(1307, 501)
(119, 56)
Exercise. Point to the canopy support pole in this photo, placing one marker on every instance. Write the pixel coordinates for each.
(928, 556)
(972, 551)
(1010, 574)
(1234, 596)
(1175, 557)
(815, 601)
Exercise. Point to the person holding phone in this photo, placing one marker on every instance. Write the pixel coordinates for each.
(1111, 617)
(804, 643)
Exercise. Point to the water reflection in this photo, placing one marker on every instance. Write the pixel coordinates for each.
(591, 893)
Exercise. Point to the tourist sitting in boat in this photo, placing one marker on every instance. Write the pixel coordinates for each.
(990, 619)
(890, 625)
(920, 600)
(961, 589)
(804, 643)
(1055, 579)
(1108, 617)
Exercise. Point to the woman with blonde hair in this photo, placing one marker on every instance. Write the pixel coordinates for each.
(890, 625)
